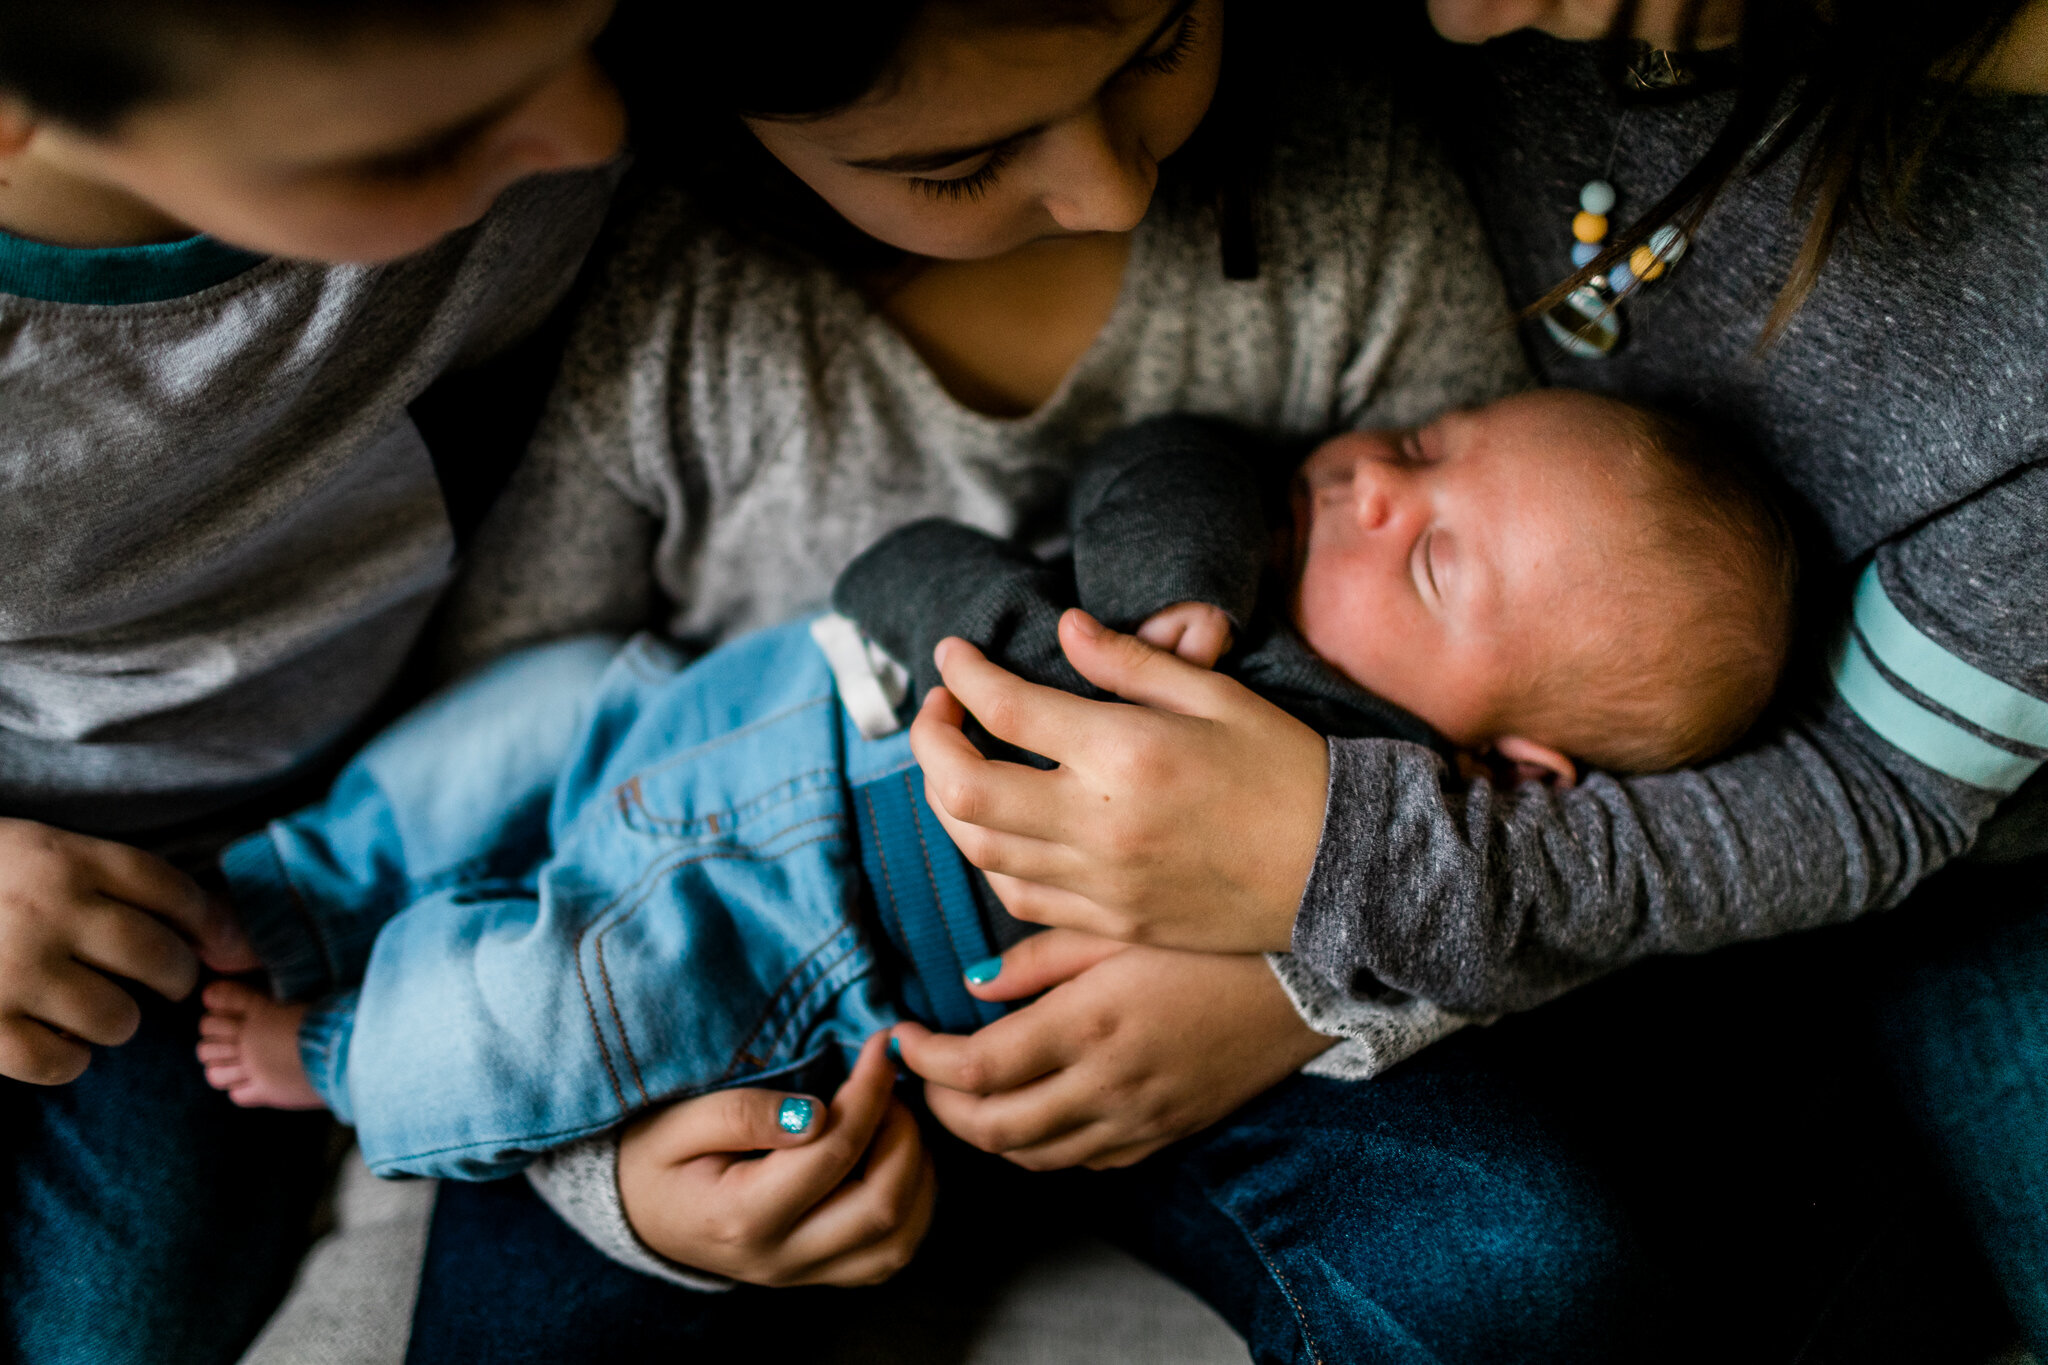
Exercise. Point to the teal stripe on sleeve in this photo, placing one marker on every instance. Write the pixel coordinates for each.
(1933, 672)
(1934, 740)
(111, 276)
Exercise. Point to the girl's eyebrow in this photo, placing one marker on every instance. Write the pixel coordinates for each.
(912, 163)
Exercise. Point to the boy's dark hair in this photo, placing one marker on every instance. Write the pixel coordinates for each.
(89, 63)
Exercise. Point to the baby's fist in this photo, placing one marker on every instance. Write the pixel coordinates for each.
(1197, 631)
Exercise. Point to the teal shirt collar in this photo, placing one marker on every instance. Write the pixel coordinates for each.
(119, 274)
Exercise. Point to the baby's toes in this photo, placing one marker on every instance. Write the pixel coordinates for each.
(220, 1028)
(219, 1052)
(230, 998)
(229, 1077)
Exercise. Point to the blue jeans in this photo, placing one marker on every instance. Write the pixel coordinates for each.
(147, 1219)
(1423, 1218)
(1965, 1018)
(587, 881)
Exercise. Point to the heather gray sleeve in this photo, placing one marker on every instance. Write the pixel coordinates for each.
(566, 550)
(1486, 900)
(581, 1183)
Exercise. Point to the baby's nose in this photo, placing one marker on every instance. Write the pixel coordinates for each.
(1370, 495)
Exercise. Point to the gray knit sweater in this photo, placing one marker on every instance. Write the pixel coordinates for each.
(1907, 408)
(731, 428)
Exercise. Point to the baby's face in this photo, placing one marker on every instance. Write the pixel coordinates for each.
(1437, 565)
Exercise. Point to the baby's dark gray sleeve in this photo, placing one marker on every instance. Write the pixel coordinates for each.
(935, 578)
(1169, 511)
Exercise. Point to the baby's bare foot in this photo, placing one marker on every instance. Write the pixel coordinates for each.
(249, 1045)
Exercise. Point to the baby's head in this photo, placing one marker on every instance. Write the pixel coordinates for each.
(1555, 574)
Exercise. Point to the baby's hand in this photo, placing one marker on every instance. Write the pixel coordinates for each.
(75, 913)
(1197, 631)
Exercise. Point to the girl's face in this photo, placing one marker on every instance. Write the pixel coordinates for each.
(1658, 22)
(989, 138)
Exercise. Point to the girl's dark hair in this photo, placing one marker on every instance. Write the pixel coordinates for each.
(1853, 74)
(690, 78)
(89, 63)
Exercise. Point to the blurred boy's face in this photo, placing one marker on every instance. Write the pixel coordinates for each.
(1439, 566)
(365, 149)
(990, 138)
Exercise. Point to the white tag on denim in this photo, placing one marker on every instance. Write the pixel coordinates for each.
(871, 684)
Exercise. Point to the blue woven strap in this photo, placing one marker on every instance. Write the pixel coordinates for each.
(927, 906)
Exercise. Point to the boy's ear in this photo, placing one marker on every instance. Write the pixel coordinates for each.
(1533, 762)
(16, 125)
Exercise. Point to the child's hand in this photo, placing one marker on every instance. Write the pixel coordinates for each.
(1131, 1048)
(844, 1200)
(1187, 821)
(75, 913)
(1197, 631)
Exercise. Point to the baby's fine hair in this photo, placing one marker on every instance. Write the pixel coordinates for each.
(1699, 625)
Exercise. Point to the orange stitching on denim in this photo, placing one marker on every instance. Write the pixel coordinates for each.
(597, 1030)
(619, 1021)
(663, 870)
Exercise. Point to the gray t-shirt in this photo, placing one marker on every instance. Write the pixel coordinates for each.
(731, 427)
(1907, 410)
(221, 533)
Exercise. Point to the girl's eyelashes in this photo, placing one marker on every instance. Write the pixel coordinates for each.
(974, 184)
(1167, 61)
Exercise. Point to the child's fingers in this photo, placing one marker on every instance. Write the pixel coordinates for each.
(973, 789)
(149, 883)
(795, 1181)
(1037, 903)
(728, 1121)
(1029, 715)
(114, 936)
(874, 1206)
(34, 1053)
(1130, 668)
(1038, 964)
(83, 1003)
(1001, 1056)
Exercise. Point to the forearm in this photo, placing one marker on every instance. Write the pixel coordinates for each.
(1487, 900)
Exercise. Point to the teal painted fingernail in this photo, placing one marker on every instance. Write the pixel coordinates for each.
(984, 971)
(895, 1048)
(796, 1114)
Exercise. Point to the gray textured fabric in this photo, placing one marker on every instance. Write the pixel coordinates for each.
(745, 425)
(221, 532)
(1078, 1303)
(1171, 510)
(1907, 410)
(352, 1301)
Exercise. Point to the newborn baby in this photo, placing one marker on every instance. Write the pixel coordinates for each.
(588, 879)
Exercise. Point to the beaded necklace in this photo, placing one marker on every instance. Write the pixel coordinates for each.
(1587, 322)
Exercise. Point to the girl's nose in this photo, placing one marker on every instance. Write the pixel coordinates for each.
(1096, 185)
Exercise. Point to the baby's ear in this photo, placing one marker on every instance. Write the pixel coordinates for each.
(1533, 762)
